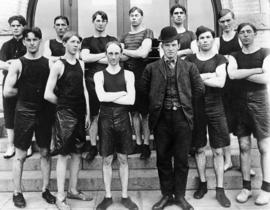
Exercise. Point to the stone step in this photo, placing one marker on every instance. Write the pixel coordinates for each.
(138, 180)
(33, 163)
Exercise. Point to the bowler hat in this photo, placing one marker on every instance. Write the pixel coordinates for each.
(168, 34)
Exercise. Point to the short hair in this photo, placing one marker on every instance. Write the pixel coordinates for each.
(224, 12)
(70, 34)
(19, 18)
(202, 29)
(177, 6)
(242, 25)
(62, 18)
(113, 42)
(133, 9)
(35, 30)
(103, 15)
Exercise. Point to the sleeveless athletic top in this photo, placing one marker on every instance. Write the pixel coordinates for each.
(32, 81)
(70, 88)
(185, 39)
(249, 61)
(208, 66)
(114, 83)
(227, 47)
(95, 45)
(57, 48)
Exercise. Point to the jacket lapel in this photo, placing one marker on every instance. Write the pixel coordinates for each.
(162, 68)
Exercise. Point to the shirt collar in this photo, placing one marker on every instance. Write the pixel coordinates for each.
(169, 60)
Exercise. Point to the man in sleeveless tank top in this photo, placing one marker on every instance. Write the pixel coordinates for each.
(178, 16)
(10, 50)
(72, 117)
(115, 91)
(249, 68)
(137, 45)
(93, 54)
(54, 48)
(227, 43)
(27, 79)
(170, 84)
(209, 113)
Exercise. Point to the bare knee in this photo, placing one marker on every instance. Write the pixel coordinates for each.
(217, 152)
(107, 161)
(264, 145)
(200, 151)
(44, 153)
(122, 159)
(245, 146)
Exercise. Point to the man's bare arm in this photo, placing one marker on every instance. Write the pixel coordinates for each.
(55, 72)
(220, 78)
(101, 94)
(235, 73)
(89, 57)
(142, 51)
(263, 78)
(129, 98)
(12, 77)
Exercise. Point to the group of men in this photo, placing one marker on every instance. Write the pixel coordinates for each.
(201, 84)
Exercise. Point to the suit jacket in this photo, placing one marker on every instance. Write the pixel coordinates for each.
(153, 86)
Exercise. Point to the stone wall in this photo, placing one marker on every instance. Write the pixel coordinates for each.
(254, 11)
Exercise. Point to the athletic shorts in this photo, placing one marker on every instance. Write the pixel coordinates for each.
(210, 115)
(114, 130)
(31, 119)
(9, 105)
(254, 115)
(93, 99)
(70, 132)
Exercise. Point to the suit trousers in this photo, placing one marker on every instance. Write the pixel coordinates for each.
(173, 137)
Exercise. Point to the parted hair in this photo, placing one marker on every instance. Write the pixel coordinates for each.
(133, 9)
(62, 18)
(35, 30)
(242, 25)
(224, 12)
(114, 42)
(103, 15)
(19, 18)
(70, 34)
(202, 29)
(177, 6)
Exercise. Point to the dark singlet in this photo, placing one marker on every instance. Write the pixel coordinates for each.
(32, 82)
(70, 88)
(57, 48)
(227, 47)
(208, 66)
(95, 45)
(249, 61)
(114, 83)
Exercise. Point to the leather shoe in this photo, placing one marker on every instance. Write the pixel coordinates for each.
(163, 202)
(48, 197)
(182, 202)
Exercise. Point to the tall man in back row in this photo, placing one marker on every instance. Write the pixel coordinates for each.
(54, 48)
(170, 85)
(27, 79)
(94, 56)
(12, 49)
(137, 45)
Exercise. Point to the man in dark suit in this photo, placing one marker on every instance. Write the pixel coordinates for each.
(170, 85)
